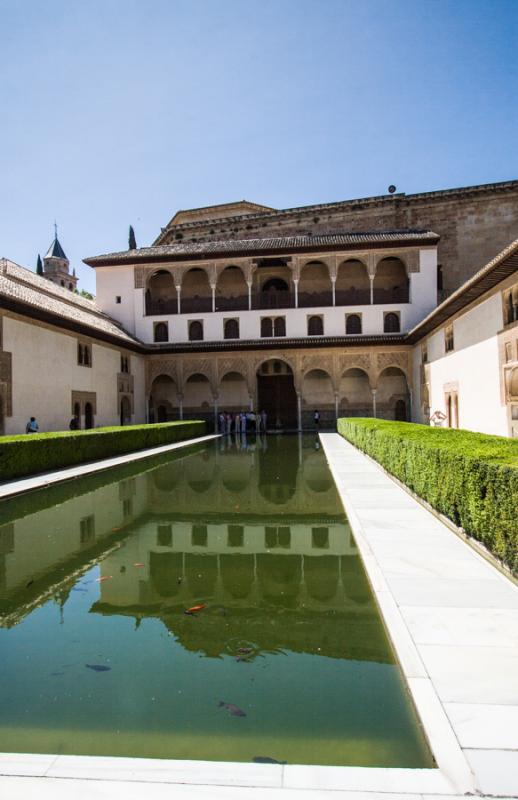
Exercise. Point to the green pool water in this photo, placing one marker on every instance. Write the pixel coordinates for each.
(288, 659)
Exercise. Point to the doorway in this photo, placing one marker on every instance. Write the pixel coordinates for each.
(276, 395)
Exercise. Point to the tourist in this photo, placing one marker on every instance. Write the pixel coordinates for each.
(252, 420)
(32, 426)
(243, 422)
(316, 419)
(221, 418)
(229, 422)
(237, 422)
(264, 419)
(74, 424)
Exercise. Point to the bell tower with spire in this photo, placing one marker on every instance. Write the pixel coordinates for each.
(56, 266)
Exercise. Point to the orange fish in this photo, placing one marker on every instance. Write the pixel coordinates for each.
(138, 564)
(114, 530)
(195, 609)
(104, 578)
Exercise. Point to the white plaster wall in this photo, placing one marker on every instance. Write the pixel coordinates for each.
(45, 372)
(423, 287)
(110, 283)
(473, 365)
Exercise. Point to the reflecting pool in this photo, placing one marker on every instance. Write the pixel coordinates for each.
(283, 656)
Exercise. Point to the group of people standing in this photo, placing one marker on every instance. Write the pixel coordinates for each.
(242, 422)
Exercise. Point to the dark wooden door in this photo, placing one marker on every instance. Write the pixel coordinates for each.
(276, 395)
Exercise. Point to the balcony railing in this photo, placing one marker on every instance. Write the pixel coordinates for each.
(273, 301)
(352, 297)
(396, 295)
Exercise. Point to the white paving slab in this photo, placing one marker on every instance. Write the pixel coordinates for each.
(452, 617)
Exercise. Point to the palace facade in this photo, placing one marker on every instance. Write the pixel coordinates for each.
(332, 308)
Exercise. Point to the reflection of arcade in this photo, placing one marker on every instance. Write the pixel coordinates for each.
(260, 475)
(299, 587)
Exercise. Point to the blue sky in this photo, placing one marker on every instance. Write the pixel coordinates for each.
(123, 111)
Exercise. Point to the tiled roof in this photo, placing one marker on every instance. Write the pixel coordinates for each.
(55, 250)
(276, 244)
(21, 285)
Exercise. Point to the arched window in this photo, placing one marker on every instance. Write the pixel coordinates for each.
(80, 357)
(161, 332)
(391, 323)
(279, 326)
(87, 360)
(231, 329)
(266, 327)
(315, 326)
(196, 331)
(353, 323)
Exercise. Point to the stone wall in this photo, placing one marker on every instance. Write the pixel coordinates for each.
(474, 223)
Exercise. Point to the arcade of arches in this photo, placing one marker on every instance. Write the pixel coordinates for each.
(288, 385)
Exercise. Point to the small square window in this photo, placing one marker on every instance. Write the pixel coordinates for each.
(199, 535)
(87, 530)
(127, 508)
(320, 538)
(118, 299)
(448, 339)
(236, 535)
(164, 536)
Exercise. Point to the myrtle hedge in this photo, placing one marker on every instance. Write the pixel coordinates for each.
(29, 454)
(471, 478)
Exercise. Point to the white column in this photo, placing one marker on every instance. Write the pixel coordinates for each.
(216, 427)
(296, 284)
(333, 289)
(180, 405)
(249, 296)
(373, 391)
(178, 296)
(336, 406)
(371, 279)
(299, 412)
(213, 290)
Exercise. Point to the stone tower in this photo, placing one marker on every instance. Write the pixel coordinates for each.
(56, 266)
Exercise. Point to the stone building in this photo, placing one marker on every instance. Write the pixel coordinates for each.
(339, 308)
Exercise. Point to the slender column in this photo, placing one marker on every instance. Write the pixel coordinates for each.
(249, 295)
(373, 391)
(178, 298)
(371, 279)
(180, 405)
(296, 284)
(299, 412)
(213, 290)
(333, 289)
(216, 427)
(336, 406)
(251, 403)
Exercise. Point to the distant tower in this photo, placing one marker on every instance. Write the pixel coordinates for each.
(56, 266)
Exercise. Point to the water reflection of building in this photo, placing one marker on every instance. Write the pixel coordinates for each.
(253, 530)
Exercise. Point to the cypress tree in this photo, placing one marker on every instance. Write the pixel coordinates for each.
(132, 242)
(39, 266)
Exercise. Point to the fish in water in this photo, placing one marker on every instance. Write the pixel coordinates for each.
(30, 583)
(139, 564)
(266, 760)
(104, 578)
(244, 651)
(195, 609)
(98, 667)
(77, 589)
(235, 711)
(55, 674)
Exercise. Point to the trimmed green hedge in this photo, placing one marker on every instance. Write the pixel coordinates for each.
(471, 478)
(29, 454)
